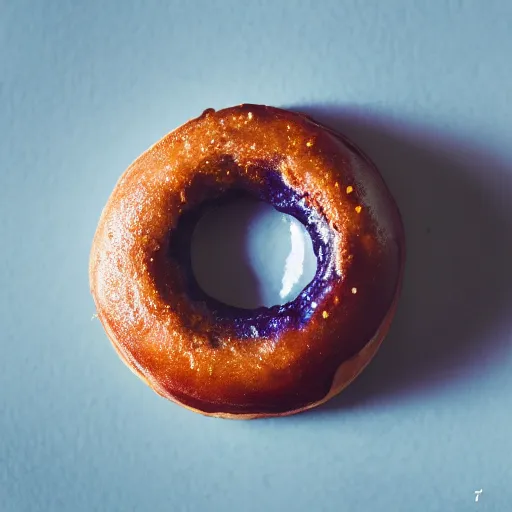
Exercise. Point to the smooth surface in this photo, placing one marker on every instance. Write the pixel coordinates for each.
(423, 87)
(247, 254)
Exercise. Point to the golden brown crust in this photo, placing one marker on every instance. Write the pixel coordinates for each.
(165, 337)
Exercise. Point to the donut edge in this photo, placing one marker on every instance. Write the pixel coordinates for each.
(346, 373)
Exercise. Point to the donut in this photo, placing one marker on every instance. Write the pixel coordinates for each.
(231, 362)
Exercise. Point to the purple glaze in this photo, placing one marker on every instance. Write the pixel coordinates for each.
(262, 322)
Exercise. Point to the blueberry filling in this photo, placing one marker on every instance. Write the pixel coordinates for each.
(262, 322)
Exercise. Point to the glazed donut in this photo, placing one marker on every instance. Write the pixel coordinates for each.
(231, 362)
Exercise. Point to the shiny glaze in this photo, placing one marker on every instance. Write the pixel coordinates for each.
(221, 360)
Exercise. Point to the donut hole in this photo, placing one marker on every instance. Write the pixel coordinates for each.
(237, 278)
(246, 254)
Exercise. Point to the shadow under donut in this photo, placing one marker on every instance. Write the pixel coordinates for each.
(455, 202)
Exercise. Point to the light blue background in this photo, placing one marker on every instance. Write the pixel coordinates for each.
(424, 87)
